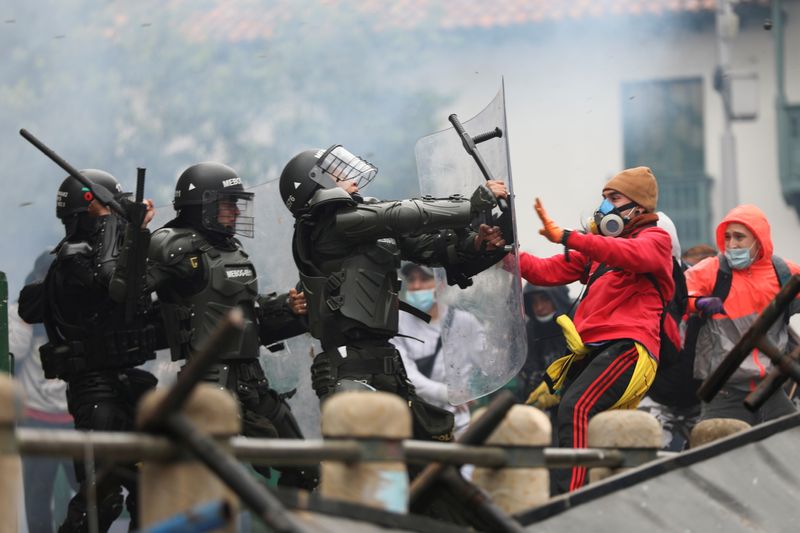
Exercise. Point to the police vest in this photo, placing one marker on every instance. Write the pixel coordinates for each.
(86, 329)
(351, 298)
(229, 281)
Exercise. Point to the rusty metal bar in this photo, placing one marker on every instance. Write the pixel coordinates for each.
(770, 384)
(289, 452)
(774, 311)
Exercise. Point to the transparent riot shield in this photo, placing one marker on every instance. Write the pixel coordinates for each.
(495, 298)
(289, 366)
(270, 250)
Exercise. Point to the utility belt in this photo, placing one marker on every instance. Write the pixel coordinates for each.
(127, 386)
(366, 360)
(361, 362)
(228, 373)
(364, 364)
(116, 349)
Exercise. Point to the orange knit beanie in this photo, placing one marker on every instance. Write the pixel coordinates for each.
(638, 184)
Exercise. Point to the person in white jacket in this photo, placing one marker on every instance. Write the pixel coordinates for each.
(422, 346)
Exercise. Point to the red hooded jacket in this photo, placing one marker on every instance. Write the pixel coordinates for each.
(752, 289)
(622, 303)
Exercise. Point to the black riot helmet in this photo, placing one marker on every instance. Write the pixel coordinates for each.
(314, 170)
(211, 196)
(74, 198)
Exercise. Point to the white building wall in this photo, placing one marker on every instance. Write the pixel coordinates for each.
(565, 121)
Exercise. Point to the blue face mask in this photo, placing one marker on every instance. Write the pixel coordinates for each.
(606, 207)
(423, 299)
(739, 258)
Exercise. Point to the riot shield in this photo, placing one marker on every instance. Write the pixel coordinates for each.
(288, 366)
(495, 297)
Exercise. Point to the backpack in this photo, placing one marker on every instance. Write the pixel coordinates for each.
(672, 313)
(674, 309)
(675, 384)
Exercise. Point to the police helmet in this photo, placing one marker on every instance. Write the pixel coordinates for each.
(222, 203)
(314, 170)
(73, 197)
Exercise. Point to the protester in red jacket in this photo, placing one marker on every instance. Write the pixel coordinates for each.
(745, 243)
(626, 264)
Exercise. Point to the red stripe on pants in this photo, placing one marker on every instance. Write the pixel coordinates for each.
(587, 400)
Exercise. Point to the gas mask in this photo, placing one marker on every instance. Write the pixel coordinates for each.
(609, 220)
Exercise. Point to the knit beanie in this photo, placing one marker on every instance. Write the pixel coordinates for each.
(638, 184)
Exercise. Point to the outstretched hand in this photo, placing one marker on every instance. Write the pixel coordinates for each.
(551, 230)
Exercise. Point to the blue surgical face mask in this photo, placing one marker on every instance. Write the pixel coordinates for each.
(422, 299)
(739, 258)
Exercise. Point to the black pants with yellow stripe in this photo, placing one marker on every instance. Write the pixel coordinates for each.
(593, 384)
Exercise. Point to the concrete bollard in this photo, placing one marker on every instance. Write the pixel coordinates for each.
(517, 489)
(10, 463)
(622, 428)
(372, 415)
(169, 488)
(715, 428)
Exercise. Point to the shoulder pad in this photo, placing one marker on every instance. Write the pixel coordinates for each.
(327, 196)
(240, 246)
(72, 249)
(170, 245)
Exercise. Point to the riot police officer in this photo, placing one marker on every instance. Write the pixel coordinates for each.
(200, 271)
(348, 251)
(92, 345)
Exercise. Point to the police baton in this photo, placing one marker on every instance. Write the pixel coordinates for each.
(470, 145)
(103, 195)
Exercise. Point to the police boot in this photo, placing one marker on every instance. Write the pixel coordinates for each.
(77, 520)
(280, 414)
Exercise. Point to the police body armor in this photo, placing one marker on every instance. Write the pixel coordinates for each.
(348, 262)
(87, 330)
(229, 281)
(353, 295)
(361, 294)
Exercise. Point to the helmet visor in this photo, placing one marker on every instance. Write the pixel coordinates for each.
(229, 212)
(343, 166)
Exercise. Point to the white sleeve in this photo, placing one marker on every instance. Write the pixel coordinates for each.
(428, 389)
(20, 334)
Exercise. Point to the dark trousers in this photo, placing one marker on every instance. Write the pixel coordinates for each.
(265, 415)
(105, 401)
(593, 385)
(729, 403)
(103, 415)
